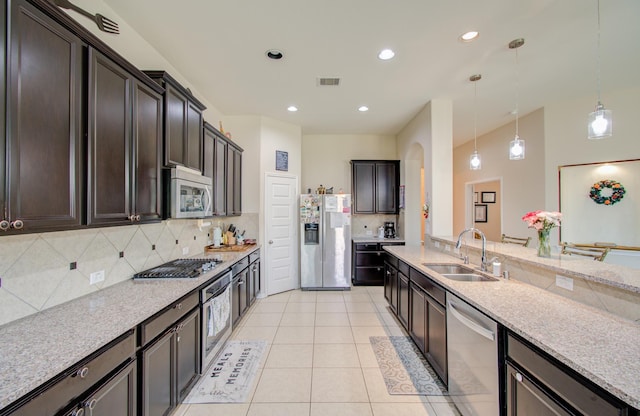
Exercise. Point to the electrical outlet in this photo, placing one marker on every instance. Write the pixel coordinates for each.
(369, 232)
(564, 282)
(185, 251)
(436, 244)
(96, 277)
(447, 247)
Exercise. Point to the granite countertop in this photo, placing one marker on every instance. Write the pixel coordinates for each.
(40, 346)
(613, 275)
(602, 347)
(374, 239)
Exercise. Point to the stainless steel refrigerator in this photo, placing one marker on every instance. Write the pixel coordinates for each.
(325, 243)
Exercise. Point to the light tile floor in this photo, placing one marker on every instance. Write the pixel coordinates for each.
(320, 361)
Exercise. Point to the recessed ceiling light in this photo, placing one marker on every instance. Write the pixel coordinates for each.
(386, 54)
(274, 54)
(292, 108)
(469, 36)
(363, 108)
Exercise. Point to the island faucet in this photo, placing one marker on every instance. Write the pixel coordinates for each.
(483, 260)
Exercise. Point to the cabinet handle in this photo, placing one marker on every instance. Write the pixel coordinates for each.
(379, 268)
(270, 241)
(17, 224)
(77, 412)
(4, 225)
(240, 282)
(92, 404)
(388, 272)
(519, 377)
(178, 306)
(83, 372)
(131, 218)
(137, 217)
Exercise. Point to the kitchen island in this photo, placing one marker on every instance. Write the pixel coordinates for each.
(598, 345)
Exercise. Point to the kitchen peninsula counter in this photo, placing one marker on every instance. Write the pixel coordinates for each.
(601, 346)
(38, 347)
(607, 274)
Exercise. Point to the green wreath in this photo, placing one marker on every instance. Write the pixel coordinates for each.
(617, 192)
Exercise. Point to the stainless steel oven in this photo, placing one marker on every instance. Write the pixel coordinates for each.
(215, 303)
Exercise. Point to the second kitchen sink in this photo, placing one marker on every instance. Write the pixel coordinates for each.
(459, 272)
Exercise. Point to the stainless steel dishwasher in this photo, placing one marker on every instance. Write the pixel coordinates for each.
(472, 346)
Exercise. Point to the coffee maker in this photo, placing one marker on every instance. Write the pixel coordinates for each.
(389, 229)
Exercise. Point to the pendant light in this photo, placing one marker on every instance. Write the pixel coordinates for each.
(474, 160)
(516, 146)
(600, 124)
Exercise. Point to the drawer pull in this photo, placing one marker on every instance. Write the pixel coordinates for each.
(4, 225)
(519, 377)
(83, 372)
(178, 306)
(77, 412)
(17, 224)
(92, 404)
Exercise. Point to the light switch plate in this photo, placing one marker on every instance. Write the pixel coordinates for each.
(96, 277)
(564, 282)
(185, 251)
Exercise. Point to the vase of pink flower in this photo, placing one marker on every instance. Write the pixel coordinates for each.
(543, 222)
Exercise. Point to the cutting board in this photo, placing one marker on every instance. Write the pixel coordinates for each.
(223, 248)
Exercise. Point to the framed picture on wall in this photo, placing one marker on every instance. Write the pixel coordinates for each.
(488, 198)
(282, 160)
(480, 213)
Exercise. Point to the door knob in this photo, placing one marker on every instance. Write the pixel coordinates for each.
(17, 224)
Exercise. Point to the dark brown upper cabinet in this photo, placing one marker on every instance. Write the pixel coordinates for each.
(375, 186)
(41, 164)
(234, 179)
(125, 142)
(223, 163)
(183, 123)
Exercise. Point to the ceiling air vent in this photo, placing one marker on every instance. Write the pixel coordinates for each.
(329, 81)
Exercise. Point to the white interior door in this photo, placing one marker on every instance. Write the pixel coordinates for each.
(281, 233)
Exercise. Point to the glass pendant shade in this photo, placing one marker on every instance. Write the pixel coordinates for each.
(600, 123)
(474, 161)
(516, 149)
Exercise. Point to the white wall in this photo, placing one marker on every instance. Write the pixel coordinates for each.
(566, 134)
(430, 131)
(326, 158)
(522, 180)
(140, 53)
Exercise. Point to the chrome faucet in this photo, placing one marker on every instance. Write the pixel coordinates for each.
(483, 260)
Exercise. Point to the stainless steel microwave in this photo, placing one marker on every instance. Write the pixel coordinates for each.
(190, 194)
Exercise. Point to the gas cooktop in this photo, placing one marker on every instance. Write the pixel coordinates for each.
(179, 269)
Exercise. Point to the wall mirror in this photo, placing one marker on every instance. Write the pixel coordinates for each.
(600, 204)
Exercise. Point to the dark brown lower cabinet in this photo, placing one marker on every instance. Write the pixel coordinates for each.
(117, 396)
(536, 385)
(254, 278)
(428, 329)
(391, 282)
(403, 299)
(436, 351)
(418, 327)
(170, 366)
(239, 296)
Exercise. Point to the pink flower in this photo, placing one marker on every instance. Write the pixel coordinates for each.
(542, 220)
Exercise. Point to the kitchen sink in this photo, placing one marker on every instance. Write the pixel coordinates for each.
(459, 272)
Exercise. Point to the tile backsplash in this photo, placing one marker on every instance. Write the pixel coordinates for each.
(38, 271)
(361, 224)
